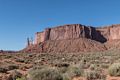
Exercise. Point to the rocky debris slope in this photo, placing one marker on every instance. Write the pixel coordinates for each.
(114, 44)
(72, 45)
(75, 45)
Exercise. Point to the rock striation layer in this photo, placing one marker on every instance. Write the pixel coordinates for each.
(66, 32)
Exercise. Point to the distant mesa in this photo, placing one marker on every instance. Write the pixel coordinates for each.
(75, 38)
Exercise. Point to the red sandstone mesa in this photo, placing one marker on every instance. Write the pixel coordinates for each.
(66, 32)
(75, 38)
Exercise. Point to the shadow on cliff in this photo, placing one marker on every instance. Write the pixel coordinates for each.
(96, 35)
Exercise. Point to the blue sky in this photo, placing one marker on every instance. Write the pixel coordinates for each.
(20, 19)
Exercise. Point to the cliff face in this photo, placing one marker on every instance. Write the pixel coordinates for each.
(76, 31)
(66, 32)
(110, 32)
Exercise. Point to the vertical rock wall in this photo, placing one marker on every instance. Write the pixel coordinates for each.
(39, 37)
(110, 32)
(73, 31)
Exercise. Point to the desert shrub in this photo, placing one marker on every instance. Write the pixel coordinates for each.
(45, 74)
(12, 67)
(20, 60)
(27, 61)
(62, 65)
(23, 78)
(84, 64)
(73, 71)
(66, 76)
(94, 75)
(8, 56)
(114, 69)
(62, 69)
(24, 67)
(93, 67)
(76, 70)
(15, 75)
(105, 66)
(30, 55)
(3, 70)
(37, 67)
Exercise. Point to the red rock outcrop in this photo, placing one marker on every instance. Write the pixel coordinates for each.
(110, 32)
(76, 38)
(66, 32)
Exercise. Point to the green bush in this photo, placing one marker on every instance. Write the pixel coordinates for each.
(94, 75)
(66, 76)
(114, 69)
(45, 74)
(21, 78)
(75, 71)
(63, 69)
